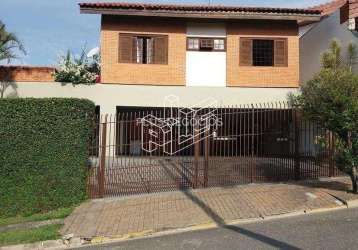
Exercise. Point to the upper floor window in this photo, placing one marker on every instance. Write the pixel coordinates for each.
(219, 44)
(143, 49)
(206, 44)
(193, 43)
(263, 52)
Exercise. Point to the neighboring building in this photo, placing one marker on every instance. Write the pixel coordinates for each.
(339, 21)
(250, 55)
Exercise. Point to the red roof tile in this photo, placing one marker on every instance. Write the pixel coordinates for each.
(198, 8)
(353, 8)
(330, 7)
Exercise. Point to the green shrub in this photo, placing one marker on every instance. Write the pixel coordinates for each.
(43, 153)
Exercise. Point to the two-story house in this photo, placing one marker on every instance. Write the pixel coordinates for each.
(232, 54)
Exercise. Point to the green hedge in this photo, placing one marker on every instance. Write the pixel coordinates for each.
(43, 153)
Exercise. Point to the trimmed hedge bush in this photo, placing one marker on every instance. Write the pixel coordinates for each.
(43, 153)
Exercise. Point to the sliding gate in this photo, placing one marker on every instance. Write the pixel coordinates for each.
(256, 143)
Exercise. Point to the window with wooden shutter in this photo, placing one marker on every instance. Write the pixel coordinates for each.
(161, 49)
(263, 52)
(245, 52)
(143, 49)
(280, 51)
(127, 48)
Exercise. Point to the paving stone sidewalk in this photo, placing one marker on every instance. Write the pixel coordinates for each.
(163, 211)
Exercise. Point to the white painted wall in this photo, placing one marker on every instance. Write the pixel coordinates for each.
(206, 68)
(316, 40)
(108, 96)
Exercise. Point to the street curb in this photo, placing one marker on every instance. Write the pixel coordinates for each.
(352, 203)
(100, 240)
(210, 225)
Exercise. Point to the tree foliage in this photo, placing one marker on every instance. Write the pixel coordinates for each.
(9, 44)
(331, 99)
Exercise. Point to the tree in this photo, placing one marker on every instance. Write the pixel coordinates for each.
(9, 44)
(331, 100)
(4, 85)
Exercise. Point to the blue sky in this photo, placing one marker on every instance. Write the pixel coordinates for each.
(49, 27)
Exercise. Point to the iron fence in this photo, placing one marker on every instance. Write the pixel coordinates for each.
(254, 143)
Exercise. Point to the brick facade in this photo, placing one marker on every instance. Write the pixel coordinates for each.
(153, 74)
(248, 76)
(26, 74)
(174, 72)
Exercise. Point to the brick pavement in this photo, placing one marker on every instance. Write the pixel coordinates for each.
(113, 217)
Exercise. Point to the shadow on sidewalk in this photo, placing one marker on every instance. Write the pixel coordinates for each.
(221, 223)
(333, 185)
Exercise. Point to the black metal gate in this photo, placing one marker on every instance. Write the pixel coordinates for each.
(254, 143)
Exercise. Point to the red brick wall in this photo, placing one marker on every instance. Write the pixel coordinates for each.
(113, 71)
(26, 74)
(174, 72)
(249, 76)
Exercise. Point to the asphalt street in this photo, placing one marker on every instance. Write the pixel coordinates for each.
(330, 230)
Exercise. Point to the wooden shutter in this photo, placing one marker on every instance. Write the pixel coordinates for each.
(160, 49)
(127, 48)
(245, 52)
(280, 53)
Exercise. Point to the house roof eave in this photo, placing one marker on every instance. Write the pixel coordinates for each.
(204, 15)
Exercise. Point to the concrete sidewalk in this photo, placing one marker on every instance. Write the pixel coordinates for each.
(164, 211)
